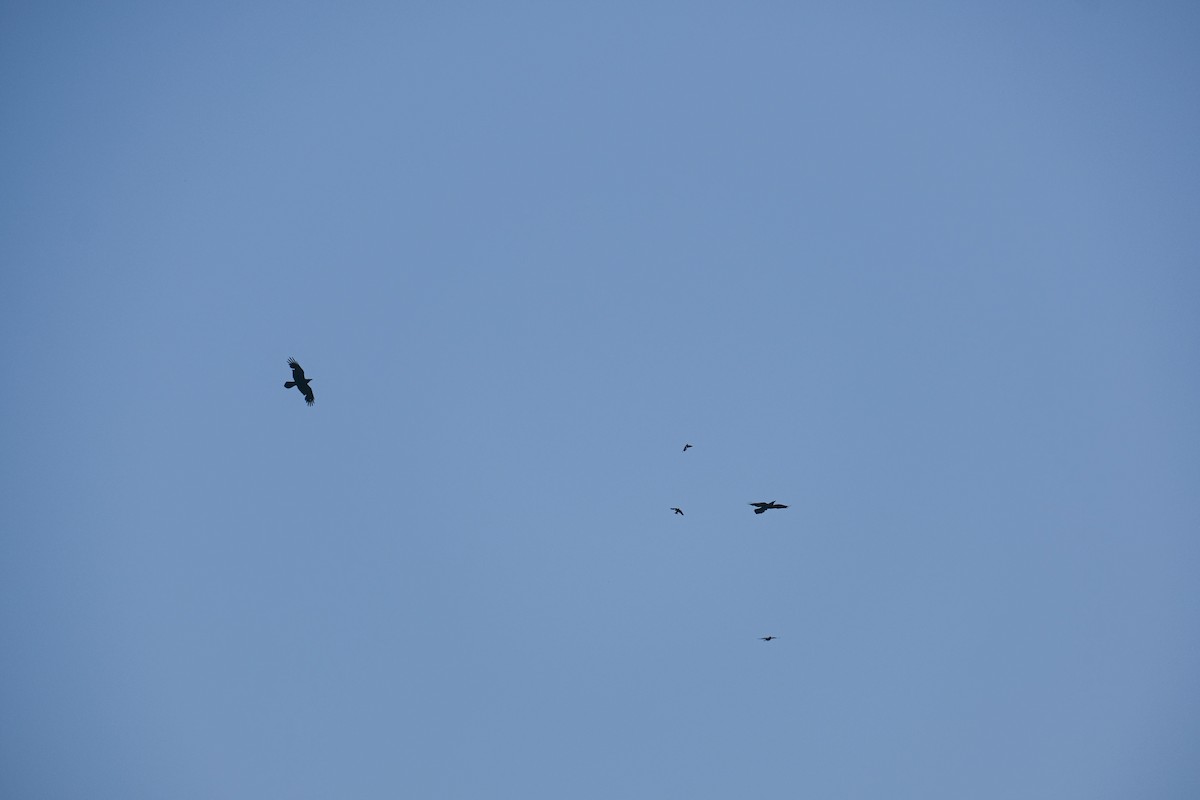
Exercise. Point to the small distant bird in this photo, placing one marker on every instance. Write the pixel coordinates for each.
(299, 381)
(678, 511)
(685, 447)
(768, 638)
(761, 507)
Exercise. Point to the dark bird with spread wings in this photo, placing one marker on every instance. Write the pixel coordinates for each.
(678, 511)
(761, 507)
(299, 381)
(768, 638)
(685, 447)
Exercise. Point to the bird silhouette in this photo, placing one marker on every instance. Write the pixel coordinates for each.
(685, 447)
(299, 381)
(678, 511)
(761, 507)
(768, 638)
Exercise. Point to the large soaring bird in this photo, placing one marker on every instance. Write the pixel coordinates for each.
(299, 381)
(678, 511)
(761, 507)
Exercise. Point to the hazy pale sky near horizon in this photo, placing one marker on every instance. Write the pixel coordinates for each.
(925, 272)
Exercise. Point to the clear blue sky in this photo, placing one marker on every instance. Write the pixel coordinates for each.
(925, 272)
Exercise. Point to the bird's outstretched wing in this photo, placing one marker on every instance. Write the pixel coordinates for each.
(297, 371)
(308, 393)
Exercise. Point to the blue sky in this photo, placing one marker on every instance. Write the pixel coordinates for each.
(926, 274)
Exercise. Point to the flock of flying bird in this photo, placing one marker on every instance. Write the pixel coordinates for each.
(303, 385)
(759, 508)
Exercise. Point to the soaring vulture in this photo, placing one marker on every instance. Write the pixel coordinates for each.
(299, 381)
